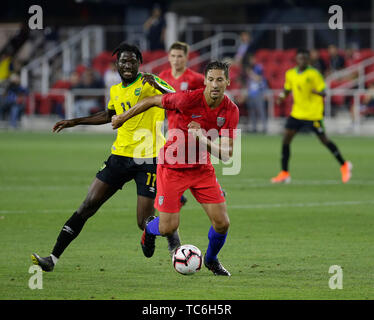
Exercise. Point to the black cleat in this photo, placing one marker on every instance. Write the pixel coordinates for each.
(216, 267)
(148, 240)
(183, 200)
(45, 263)
(173, 242)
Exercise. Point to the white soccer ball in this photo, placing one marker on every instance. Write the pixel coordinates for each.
(187, 259)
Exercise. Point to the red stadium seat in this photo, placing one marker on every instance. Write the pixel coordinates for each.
(337, 100)
(324, 55)
(276, 83)
(42, 104)
(366, 53)
(369, 68)
(290, 54)
(102, 61)
(61, 84)
(263, 56)
(278, 56)
(235, 71)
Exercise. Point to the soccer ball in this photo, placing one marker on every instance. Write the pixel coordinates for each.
(187, 259)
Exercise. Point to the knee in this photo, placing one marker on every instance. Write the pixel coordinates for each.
(167, 229)
(222, 225)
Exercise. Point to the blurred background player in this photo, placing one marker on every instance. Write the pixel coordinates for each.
(308, 88)
(13, 101)
(180, 77)
(123, 165)
(209, 109)
(256, 94)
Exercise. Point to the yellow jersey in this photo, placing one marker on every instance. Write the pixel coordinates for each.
(306, 105)
(140, 136)
(5, 68)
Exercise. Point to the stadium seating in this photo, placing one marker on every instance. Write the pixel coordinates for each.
(274, 62)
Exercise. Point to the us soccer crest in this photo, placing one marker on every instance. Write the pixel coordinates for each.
(220, 121)
(160, 200)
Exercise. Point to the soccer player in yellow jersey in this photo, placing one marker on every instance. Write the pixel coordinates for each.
(308, 90)
(133, 152)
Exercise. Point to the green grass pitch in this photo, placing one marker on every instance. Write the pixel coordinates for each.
(281, 243)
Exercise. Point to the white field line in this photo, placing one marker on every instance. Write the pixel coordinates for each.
(194, 207)
(247, 183)
(253, 183)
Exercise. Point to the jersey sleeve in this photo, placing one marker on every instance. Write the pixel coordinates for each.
(231, 123)
(111, 100)
(287, 82)
(175, 101)
(319, 82)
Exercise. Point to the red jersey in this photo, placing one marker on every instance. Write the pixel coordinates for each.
(181, 150)
(189, 80)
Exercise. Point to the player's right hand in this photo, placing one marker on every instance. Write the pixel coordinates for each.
(116, 122)
(62, 125)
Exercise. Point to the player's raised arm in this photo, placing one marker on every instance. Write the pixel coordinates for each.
(141, 106)
(98, 118)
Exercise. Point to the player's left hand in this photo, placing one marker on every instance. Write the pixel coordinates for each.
(116, 122)
(150, 79)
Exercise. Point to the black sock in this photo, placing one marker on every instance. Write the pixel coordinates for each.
(69, 232)
(335, 151)
(285, 156)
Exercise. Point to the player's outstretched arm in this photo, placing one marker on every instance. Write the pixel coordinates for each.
(141, 106)
(101, 117)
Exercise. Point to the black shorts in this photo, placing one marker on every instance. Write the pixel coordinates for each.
(118, 170)
(295, 124)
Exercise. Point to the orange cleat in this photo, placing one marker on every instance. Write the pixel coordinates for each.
(282, 177)
(346, 170)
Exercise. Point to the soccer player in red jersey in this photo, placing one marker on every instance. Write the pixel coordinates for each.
(180, 77)
(184, 161)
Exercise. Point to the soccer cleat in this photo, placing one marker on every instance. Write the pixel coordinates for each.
(148, 240)
(282, 177)
(216, 267)
(346, 170)
(45, 263)
(173, 242)
(183, 200)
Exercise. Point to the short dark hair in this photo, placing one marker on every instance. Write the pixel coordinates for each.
(303, 51)
(179, 46)
(217, 65)
(123, 46)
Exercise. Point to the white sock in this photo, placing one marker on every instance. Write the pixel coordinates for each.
(54, 259)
